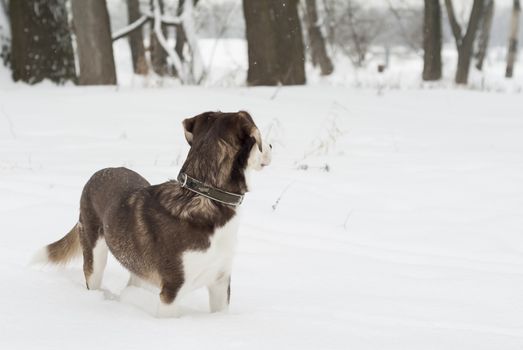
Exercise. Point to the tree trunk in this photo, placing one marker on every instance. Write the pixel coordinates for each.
(432, 41)
(513, 39)
(158, 54)
(5, 35)
(275, 42)
(289, 42)
(465, 44)
(95, 46)
(464, 58)
(261, 43)
(136, 39)
(41, 42)
(484, 34)
(316, 40)
(181, 38)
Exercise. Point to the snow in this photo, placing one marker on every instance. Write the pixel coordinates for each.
(390, 217)
(411, 240)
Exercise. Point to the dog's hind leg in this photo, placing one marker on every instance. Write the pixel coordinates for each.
(95, 256)
(219, 294)
(135, 281)
(99, 262)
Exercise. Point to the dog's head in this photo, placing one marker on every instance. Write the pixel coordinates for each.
(233, 133)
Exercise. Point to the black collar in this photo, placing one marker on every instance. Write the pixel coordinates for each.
(210, 192)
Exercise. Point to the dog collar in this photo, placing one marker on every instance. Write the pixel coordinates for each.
(210, 192)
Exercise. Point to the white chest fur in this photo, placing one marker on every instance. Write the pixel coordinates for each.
(204, 268)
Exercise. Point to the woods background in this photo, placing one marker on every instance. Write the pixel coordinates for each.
(75, 40)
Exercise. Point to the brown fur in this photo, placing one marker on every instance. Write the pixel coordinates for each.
(66, 248)
(148, 228)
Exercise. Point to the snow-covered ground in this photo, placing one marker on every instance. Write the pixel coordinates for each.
(388, 220)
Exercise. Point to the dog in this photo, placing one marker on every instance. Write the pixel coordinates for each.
(178, 235)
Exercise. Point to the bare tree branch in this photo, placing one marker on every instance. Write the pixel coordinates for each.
(513, 39)
(182, 74)
(484, 34)
(130, 28)
(403, 30)
(454, 25)
(146, 17)
(197, 69)
(475, 17)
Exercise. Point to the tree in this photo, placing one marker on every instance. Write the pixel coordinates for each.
(316, 40)
(289, 43)
(158, 54)
(181, 38)
(136, 39)
(261, 43)
(354, 29)
(191, 71)
(5, 35)
(41, 42)
(275, 42)
(484, 33)
(94, 42)
(432, 41)
(465, 43)
(513, 39)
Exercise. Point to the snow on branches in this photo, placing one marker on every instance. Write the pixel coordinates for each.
(189, 72)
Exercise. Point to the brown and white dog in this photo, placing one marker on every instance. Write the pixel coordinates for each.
(179, 235)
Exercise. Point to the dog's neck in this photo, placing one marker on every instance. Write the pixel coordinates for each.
(216, 166)
(220, 169)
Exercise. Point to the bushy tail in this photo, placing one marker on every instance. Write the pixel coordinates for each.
(61, 251)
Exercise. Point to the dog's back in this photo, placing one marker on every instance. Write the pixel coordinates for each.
(106, 189)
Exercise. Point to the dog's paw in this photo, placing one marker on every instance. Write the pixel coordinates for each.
(167, 310)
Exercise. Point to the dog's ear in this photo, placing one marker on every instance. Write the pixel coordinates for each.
(196, 125)
(188, 127)
(251, 129)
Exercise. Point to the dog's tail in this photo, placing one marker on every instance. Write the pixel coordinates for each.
(61, 251)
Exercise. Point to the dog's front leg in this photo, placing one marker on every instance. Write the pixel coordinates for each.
(220, 294)
(169, 297)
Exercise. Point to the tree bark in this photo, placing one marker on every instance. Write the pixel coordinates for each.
(158, 54)
(5, 35)
(181, 39)
(275, 42)
(316, 40)
(465, 43)
(95, 46)
(513, 39)
(41, 45)
(261, 43)
(289, 42)
(432, 41)
(484, 33)
(136, 39)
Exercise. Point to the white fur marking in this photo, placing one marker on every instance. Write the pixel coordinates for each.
(218, 295)
(99, 261)
(135, 281)
(257, 160)
(212, 268)
(40, 257)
